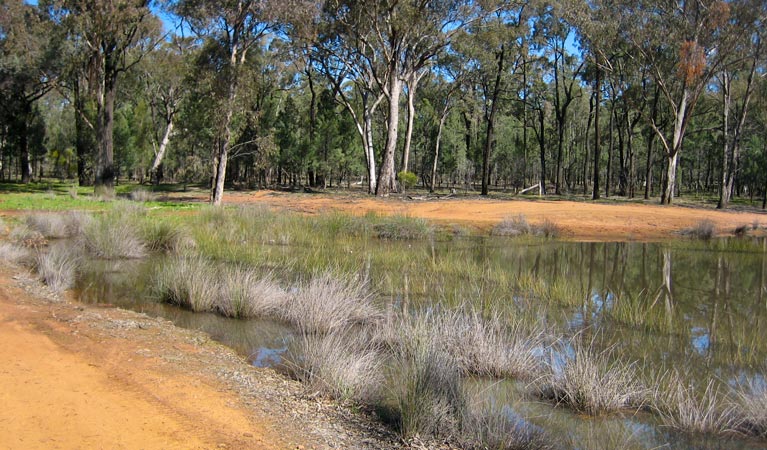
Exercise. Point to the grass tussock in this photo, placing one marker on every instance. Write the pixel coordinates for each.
(115, 235)
(58, 266)
(326, 303)
(403, 228)
(685, 408)
(245, 293)
(427, 394)
(751, 407)
(342, 364)
(13, 253)
(488, 346)
(705, 230)
(189, 282)
(160, 236)
(141, 195)
(592, 382)
(27, 237)
(59, 225)
(519, 226)
(494, 427)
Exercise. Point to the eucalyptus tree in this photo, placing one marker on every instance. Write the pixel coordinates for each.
(383, 45)
(744, 51)
(113, 36)
(29, 66)
(680, 42)
(231, 30)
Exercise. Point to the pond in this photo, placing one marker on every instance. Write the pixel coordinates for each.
(692, 308)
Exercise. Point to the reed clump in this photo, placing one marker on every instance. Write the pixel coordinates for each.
(490, 426)
(704, 230)
(189, 282)
(342, 364)
(58, 266)
(512, 226)
(403, 228)
(13, 253)
(115, 235)
(751, 406)
(325, 303)
(592, 382)
(245, 293)
(684, 407)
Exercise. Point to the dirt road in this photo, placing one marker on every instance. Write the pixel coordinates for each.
(74, 376)
(578, 220)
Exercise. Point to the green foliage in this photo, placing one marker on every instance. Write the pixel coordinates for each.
(407, 179)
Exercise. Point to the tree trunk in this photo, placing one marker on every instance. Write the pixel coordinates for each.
(598, 86)
(412, 87)
(26, 167)
(490, 117)
(161, 152)
(386, 175)
(105, 171)
(441, 127)
(542, 148)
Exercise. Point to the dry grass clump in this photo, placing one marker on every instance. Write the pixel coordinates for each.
(489, 426)
(58, 266)
(486, 346)
(704, 230)
(245, 293)
(511, 226)
(25, 236)
(115, 235)
(161, 236)
(427, 393)
(187, 281)
(403, 228)
(141, 195)
(326, 303)
(57, 225)
(547, 228)
(593, 383)
(13, 253)
(342, 364)
(751, 405)
(683, 407)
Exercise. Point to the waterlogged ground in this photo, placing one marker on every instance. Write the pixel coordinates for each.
(697, 308)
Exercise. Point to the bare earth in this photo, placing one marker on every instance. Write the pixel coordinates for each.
(74, 376)
(578, 220)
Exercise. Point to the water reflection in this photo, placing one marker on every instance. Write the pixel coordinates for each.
(700, 311)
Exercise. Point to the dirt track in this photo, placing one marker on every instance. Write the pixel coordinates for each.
(578, 220)
(75, 376)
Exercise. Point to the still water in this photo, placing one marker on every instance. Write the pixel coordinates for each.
(698, 310)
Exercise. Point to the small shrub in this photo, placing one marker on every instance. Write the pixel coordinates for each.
(403, 228)
(72, 191)
(704, 230)
(245, 294)
(593, 383)
(58, 266)
(512, 226)
(326, 303)
(407, 179)
(342, 364)
(681, 407)
(741, 231)
(187, 281)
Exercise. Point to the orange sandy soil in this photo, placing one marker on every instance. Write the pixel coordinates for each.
(75, 376)
(65, 386)
(577, 220)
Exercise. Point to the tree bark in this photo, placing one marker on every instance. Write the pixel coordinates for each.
(386, 176)
(161, 151)
(598, 87)
(490, 117)
(105, 170)
(441, 127)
